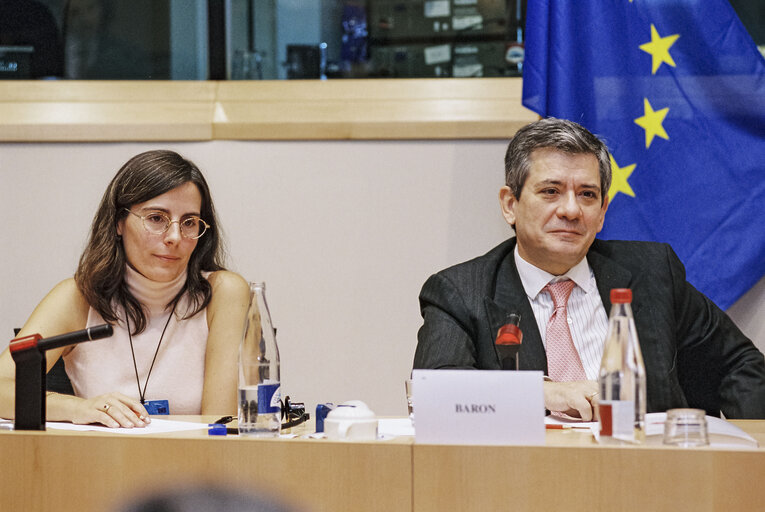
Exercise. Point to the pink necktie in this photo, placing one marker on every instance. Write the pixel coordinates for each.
(563, 362)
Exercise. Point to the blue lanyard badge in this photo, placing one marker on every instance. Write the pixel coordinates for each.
(157, 407)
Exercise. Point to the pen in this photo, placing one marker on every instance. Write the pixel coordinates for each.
(563, 426)
(224, 420)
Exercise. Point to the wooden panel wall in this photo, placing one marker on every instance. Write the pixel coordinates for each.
(100, 111)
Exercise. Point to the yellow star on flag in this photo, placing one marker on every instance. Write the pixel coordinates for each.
(651, 122)
(619, 176)
(659, 49)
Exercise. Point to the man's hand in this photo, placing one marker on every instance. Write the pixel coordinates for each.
(576, 399)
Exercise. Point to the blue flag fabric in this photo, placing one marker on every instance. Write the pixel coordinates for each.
(676, 89)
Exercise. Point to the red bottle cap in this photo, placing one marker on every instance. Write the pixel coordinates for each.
(621, 296)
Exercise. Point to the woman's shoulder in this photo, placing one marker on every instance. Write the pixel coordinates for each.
(230, 294)
(228, 284)
(63, 309)
(67, 291)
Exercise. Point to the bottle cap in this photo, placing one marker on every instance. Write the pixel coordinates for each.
(621, 296)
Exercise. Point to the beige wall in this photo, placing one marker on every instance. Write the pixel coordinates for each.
(343, 233)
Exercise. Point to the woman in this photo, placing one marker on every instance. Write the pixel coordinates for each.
(152, 268)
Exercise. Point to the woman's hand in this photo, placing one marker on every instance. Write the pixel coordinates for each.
(113, 410)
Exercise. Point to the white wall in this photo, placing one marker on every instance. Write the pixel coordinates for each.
(343, 233)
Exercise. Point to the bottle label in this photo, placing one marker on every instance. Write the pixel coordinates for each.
(269, 396)
(617, 418)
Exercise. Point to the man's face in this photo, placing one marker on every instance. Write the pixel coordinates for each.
(559, 212)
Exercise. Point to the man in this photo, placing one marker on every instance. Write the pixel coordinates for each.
(557, 176)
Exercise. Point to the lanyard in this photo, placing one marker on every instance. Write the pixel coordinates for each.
(142, 394)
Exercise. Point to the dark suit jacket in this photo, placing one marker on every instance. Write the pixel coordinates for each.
(694, 355)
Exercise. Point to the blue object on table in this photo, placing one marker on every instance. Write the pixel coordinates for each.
(216, 429)
(321, 412)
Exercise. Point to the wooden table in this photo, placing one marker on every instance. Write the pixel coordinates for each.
(572, 473)
(92, 471)
(63, 471)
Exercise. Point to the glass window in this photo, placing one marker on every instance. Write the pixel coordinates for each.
(104, 39)
(288, 39)
(272, 39)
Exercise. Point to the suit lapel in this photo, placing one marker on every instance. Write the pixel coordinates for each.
(608, 275)
(510, 297)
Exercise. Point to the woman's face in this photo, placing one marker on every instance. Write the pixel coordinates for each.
(161, 257)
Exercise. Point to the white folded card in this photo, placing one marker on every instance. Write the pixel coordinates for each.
(487, 407)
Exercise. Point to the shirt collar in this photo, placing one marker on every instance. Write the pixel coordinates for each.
(534, 279)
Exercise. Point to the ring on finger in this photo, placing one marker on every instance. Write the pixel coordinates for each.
(106, 407)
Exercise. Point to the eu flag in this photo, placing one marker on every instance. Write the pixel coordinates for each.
(676, 88)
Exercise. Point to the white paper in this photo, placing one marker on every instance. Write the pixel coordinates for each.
(571, 422)
(437, 8)
(722, 434)
(478, 407)
(157, 426)
(395, 427)
(438, 54)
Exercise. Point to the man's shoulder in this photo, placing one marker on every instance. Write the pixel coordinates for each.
(626, 250)
(481, 269)
(636, 257)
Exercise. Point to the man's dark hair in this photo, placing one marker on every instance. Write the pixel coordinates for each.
(558, 134)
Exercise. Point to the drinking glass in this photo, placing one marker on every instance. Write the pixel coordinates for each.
(686, 428)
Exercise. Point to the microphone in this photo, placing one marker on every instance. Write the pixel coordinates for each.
(91, 333)
(508, 342)
(42, 344)
(29, 355)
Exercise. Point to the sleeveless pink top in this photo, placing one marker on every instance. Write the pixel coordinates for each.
(103, 366)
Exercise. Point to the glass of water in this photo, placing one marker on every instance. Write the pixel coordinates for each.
(259, 383)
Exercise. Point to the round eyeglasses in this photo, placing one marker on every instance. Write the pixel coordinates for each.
(157, 222)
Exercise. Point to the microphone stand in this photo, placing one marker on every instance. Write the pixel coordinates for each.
(29, 355)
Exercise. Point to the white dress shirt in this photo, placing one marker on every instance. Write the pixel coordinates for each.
(587, 318)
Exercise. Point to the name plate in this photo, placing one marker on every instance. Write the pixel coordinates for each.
(487, 407)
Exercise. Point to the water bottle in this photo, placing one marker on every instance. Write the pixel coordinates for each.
(621, 381)
(259, 393)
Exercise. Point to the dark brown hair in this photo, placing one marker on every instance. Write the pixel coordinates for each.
(101, 271)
